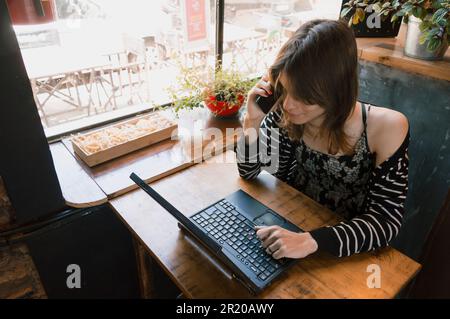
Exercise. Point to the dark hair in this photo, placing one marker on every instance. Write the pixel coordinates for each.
(320, 63)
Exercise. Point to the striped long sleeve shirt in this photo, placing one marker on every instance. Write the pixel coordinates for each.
(380, 218)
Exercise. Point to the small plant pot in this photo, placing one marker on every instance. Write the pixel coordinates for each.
(416, 50)
(222, 108)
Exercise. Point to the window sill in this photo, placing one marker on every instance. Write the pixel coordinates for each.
(56, 133)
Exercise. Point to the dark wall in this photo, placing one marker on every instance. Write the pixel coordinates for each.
(26, 164)
(434, 277)
(98, 242)
(426, 103)
(94, 238)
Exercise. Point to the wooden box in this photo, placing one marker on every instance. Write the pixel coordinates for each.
(110, 142)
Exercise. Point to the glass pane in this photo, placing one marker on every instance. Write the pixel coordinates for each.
(255, 30)
(99, 58)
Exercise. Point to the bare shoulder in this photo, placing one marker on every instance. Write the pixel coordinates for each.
(386, 131)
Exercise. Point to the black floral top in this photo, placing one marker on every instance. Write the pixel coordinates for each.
(338, 182)
(370, 198)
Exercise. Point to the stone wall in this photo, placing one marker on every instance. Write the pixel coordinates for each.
(18, 275)
(6, 210)
(426, 103)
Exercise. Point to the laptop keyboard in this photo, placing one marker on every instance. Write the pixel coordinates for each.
(224, 223)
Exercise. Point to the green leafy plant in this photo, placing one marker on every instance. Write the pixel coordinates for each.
(433, 13)
(194, 86)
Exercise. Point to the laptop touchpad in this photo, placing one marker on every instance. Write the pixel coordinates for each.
(269, 219)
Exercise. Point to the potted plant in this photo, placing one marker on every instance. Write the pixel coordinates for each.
(222, 91)
(428, 22)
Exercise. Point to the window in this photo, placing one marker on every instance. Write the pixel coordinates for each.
(255, 30)
(99, 60)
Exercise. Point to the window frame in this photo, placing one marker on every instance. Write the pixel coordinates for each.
(55, 135)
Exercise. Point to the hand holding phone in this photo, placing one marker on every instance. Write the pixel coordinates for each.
(265, 103)
(260, 100)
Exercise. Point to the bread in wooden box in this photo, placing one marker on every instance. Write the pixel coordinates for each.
(119, 139)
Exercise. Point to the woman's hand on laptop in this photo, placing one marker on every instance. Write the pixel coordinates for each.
(281, 243)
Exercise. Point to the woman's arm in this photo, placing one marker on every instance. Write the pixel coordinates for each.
(384, 209)
(263, 144)
(383, 214)
(271, 149)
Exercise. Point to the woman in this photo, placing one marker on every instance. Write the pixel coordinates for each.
(346, 155)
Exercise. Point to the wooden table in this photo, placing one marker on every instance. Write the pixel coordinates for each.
(199, 275)
(389, 51)
(83, 186)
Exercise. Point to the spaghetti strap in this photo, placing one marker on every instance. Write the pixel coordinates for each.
(364, 115)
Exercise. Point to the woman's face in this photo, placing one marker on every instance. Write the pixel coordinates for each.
(301, 113)
(298, 112)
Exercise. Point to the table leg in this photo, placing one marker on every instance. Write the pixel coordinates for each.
(143, 267)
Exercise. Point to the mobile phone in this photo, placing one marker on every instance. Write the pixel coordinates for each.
(265, 103)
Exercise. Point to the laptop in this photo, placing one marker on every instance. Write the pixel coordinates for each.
(227, 229)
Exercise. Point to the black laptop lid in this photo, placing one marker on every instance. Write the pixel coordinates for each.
(183, 220)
